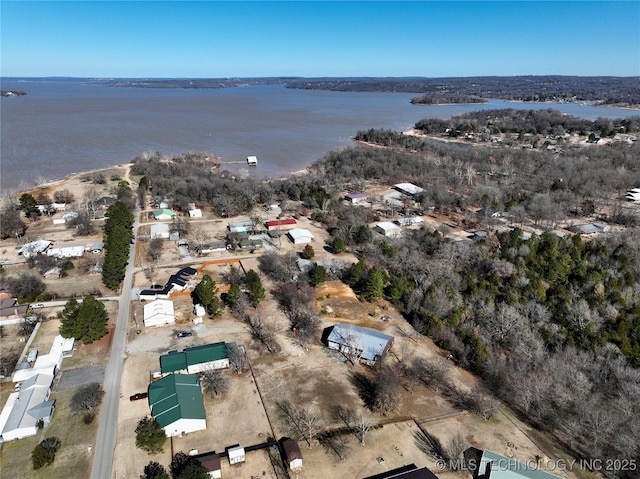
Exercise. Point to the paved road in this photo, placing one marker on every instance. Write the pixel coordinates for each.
(108, 427)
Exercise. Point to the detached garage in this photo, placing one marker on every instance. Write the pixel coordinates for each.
(300, 236)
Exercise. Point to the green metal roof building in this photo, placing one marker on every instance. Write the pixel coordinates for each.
(495, 466)
(177, 405)
(196, 359)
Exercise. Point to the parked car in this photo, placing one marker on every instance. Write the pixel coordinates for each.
(184, 334)
(37, 306)
(138, 396)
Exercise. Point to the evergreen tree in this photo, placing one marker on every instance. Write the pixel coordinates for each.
(256, 290)
(68, 320)
(205, 294)
(374, 284)
(187, 467)
(86, 322)
(28, 204)
(154, 470)
(317, 275)
(150, 436)
(233, 295)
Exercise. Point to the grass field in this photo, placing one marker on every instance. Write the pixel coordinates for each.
(73, 460)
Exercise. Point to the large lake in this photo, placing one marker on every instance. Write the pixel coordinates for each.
(62, 127)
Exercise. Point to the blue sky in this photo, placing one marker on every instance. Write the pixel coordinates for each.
(248, 39)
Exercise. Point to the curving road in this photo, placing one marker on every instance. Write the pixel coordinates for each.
(108, 427)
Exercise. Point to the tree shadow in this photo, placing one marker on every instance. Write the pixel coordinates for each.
(366, 388)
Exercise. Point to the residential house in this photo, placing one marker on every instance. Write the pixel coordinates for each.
(215, 247)
(292, 454)
(66, 251)
(240, 226)
(28, 407)
(163, 214)
(34, 248)
(10, 309)
(589, 228)
(196, 359)
(177, 405)
(368, 345)
(300, 236)
(177, 282)
(46, 363)
(159, 313)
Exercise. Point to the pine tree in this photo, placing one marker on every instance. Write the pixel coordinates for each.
(206, 294)
(256, 290)
(68, 321)
(374, 284)
(86, 322)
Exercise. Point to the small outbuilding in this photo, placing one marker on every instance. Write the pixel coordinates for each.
(195, 213)
(236, 455)
(292, 454)
(300, 236)
(252, 160)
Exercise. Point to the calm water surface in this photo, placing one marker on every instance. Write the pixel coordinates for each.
(62, 127)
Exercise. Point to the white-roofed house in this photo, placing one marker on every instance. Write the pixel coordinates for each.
(26, 408)
(159, 313)
(67, 251)
(364, 344)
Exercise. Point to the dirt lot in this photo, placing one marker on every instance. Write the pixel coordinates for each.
(311, 376)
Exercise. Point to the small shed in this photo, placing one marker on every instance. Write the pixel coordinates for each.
(300, 236)
(292, 453)
(199, 310)
(236, 454)
(195, 213)
(252, 160)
